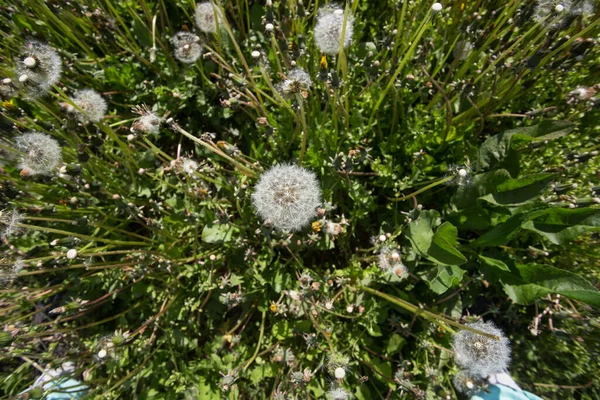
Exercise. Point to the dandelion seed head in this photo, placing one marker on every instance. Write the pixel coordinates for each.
(338, 393)
(287, 195)
(328, 30)
(467, 384)
(187, 47)
(462, 50)
(92, 106)
(390, 261)
(72, 254)
(546, 9)
(297, 81)
(41, 153)
(480, 355)
(205, 17)
(9, 221)
(41, 65)
(148, 122)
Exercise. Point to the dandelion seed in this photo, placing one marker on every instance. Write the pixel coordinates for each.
(297, 81)
(41, 153)
(90, 106)
(148, 121)
(208, 16)
(287, 195)
(328, 31)
(480, 355)
(41, 66)
(9, 221)
(187, 47)
(437, 7)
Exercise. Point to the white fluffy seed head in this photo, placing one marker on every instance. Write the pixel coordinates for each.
(92, 106)
(72, 254)
(7, 81)
(338, 393)
(329, 28)
(480, 355)
(208, 17)
(287, 195)
(547, 10)
(340, 373)
(23, 78)
(42, 65)
(187, 47)
(269, 27)
(255, 54)
(41, 153)
(437, 7)
(102, 353)
(9, 221)
(297, 81)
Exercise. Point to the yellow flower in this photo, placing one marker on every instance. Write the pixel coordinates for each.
(273, 307)
(316, 226)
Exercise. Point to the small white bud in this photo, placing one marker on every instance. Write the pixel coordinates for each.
(340, 373)
(382, 238)
(71, 254)
(349, 309)
(462, 173)
(102, 353)
(329, 305)
(6, 81)
(559, 8)
(130, 137)
(437, 7)
(212, 257)
(255, 54)
(141, 171)
(74, 200)
(395, 256)
(30, 62)
(23, 78)
(269, 27)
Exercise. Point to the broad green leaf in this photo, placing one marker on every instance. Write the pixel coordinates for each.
(501, 147)
(501, 234)
(536, 281)
(443, 277)
(561, 225)
(281, 330)
(439, 246)
(484, 183)
(220, 233)
(518, 191)
(395, 344)
(501, 265)
(443, 246)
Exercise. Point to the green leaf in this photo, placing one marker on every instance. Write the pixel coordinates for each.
(395, 344)
(220, 233)
(438, 247)
(536, 281)
(561, 225)
(443, 277)
(501, 147)
(501, 234)
(514, 192)
(494, 263)
(443, 245)
(484, 183)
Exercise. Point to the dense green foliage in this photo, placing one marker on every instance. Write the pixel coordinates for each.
(457, 139)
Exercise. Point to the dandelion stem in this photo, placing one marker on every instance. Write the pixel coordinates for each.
(258, 344)
(426, 188)
(304, 128)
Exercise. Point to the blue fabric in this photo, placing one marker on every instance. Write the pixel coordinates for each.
(501, 392)
(66, 389)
